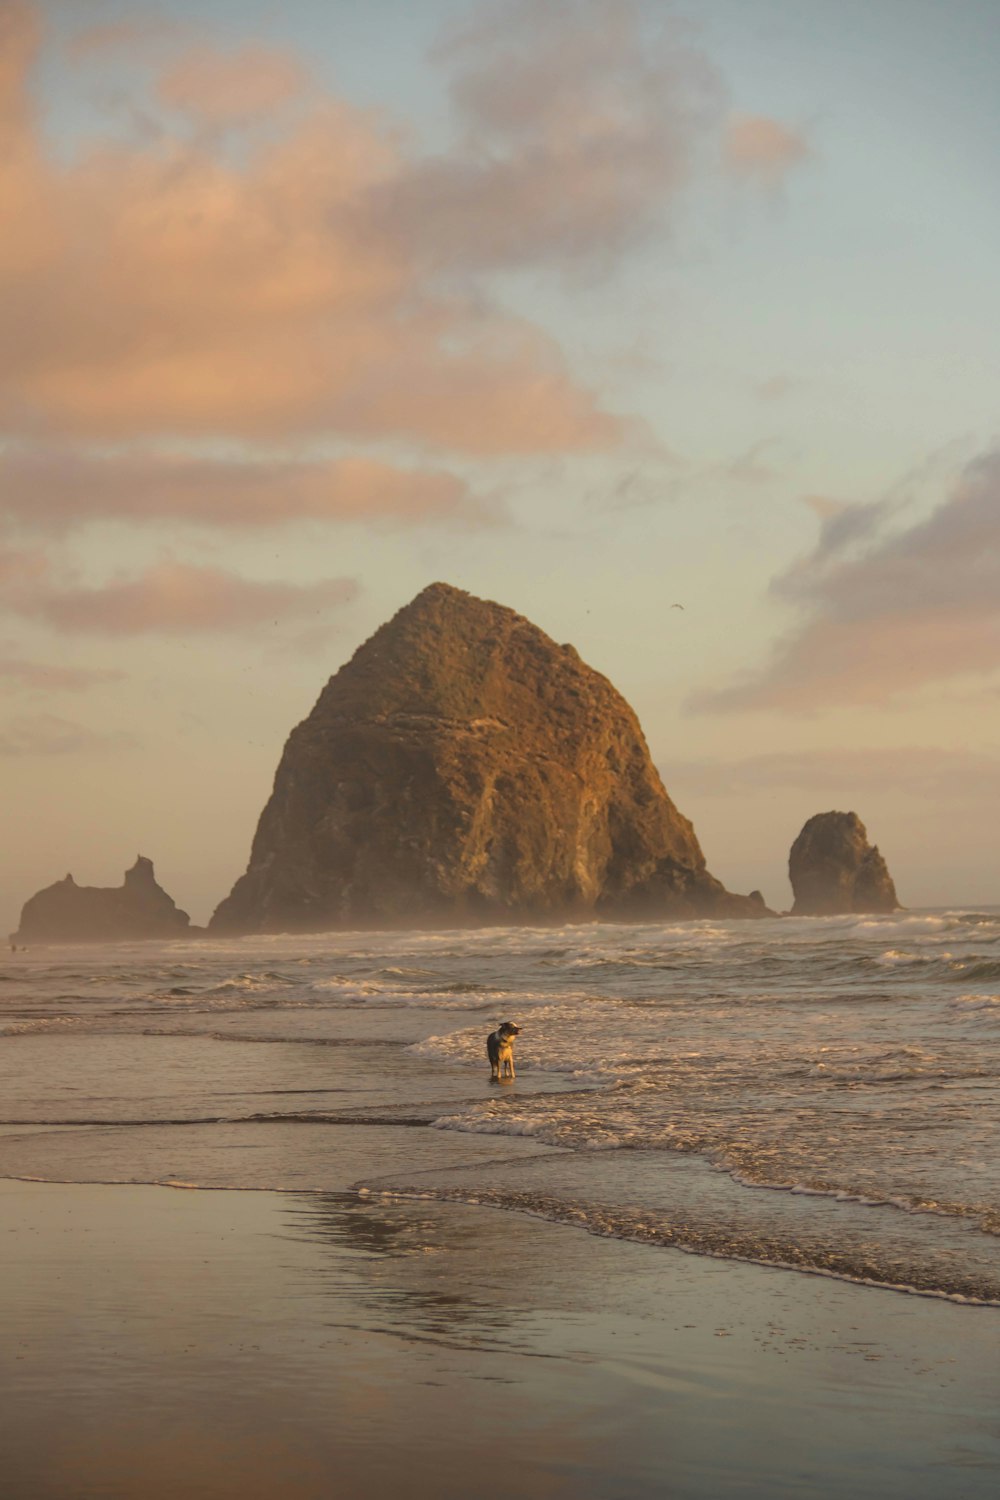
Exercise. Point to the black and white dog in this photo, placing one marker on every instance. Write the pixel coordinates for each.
(500, 1050)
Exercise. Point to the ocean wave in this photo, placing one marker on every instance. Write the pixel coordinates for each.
(352, 987)
(394, 972)
(897, 1065)
(39, 1025)
(975, 968)
(256, 1117)
(267, 980)
(141, 1179)
(459, 999)
(894, 958)
(400, 986)
(941, 963)
(983, 1216)
(976, 1002)
(272, 1039)
(868, 1267)
(764, 1156)
(597, 1128)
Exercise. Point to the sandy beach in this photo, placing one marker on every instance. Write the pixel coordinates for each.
(220, 1344)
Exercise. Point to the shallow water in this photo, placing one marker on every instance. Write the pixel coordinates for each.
(817, 1093)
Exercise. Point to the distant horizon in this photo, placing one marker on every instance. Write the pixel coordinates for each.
(200, 929)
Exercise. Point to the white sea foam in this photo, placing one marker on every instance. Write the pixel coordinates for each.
(38, 1025)
(965, 1003)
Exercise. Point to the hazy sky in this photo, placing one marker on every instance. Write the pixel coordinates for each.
(588, 307)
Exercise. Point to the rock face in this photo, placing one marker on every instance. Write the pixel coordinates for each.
(834, 869)
(71, 913)
(463, 768)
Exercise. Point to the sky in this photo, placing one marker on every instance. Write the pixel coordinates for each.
(591, 307)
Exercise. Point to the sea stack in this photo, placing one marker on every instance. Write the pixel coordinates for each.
(834, 870)
(463, 768)
(71, 913)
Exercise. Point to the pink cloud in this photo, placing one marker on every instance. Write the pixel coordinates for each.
(219, 88)
(928, 773)
(321, 281)
(22, 567)
(135, 33)
(174, 288)
(180, 599)
(58, 487)
(886, 610)
(760, 148)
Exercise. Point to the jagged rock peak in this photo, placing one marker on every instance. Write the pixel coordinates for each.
(141, 873)
(69, 913)
(463, 767)
(834, 870)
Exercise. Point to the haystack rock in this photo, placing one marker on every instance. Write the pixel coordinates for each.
(463, 768)
(71, 913)
(834, 869)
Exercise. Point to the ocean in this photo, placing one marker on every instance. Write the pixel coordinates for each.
(818, 1094)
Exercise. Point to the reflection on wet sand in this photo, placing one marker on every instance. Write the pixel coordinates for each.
(434, 1302)
(246, 1345)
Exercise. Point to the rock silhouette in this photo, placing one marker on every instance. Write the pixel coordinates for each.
(834, 870)
(464, 768)
(71, 913)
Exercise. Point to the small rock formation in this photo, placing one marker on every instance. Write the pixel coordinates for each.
(71, 913)
(463, 768)
(833, 869)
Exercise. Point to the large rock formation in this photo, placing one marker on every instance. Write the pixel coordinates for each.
(834, 869)
(71, 913)
(461, 768)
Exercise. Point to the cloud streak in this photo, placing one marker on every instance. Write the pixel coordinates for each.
(764, 150)
(47, 734)
(175, 598)
(886, 610)
(925, 773)
(50, 677)
(219, 89)
(59, 487)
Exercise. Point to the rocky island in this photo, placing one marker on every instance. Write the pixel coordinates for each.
(834, 870)
(71, 913)
(464, 768)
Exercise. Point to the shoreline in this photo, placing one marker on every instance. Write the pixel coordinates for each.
(247, 1342)
(905, 1289)
(689, 1203)
(391, 1196)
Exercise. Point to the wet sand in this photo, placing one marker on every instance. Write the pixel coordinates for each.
(160, 1342)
